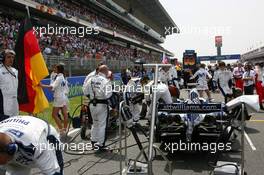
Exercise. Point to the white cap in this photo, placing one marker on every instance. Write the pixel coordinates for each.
(9, 51)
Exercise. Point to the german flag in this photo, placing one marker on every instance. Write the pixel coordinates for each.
(31, 70)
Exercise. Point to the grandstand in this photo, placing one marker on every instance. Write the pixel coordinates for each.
(254, 56)
(127, 29)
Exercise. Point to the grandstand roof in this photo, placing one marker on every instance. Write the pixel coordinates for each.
(155, 10)
(151, 12)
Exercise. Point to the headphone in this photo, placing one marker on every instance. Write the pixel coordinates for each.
(11, 149)
(2, 56)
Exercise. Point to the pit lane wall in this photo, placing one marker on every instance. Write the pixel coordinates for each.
(75, 86)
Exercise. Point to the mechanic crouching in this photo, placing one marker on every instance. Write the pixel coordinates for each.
(28, 142)
(100, 93)
(162, 95)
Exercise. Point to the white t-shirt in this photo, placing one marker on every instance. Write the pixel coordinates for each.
(224, 76)
(250, 74)
(60, 86)
(202, 75)
(238, 72)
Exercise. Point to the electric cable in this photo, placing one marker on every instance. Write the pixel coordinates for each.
(114, 141)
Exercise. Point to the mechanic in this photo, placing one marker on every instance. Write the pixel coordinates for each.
(202, 81)
(223, 77)
(210, 82)
(8, 84)
(91, 74)
(28, 142)
(162, 95)
(100, 93)
(173, 79)
(169, 76)
(238, 74)
(130, 92)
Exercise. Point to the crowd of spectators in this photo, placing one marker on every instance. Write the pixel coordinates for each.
(8, 32)
(70, 9)
(70, 45)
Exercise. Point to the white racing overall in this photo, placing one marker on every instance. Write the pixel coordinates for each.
(100, 88)
(34, 151)
(8, 91)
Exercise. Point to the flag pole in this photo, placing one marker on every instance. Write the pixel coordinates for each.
(28, 13)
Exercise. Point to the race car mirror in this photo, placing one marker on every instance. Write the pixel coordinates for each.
(251, 103)
(193, 108)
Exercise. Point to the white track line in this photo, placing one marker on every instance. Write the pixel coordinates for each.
(250, 142)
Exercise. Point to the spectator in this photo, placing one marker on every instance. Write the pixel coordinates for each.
(259, 88)
(248, 78)
(60, 44)
(238, 74)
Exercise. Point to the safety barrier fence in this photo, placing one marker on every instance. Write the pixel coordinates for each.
(75, 86)
(78, 66)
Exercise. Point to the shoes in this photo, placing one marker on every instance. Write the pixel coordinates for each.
(63, 135)
(104, 149)
(94, 145)
(211, 100)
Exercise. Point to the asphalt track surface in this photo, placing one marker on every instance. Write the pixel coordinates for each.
(183, 163)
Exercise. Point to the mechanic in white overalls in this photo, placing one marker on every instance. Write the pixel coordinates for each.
(8, 84)
(99, 91)
(130, 92)
(91, 74)
(26, 143)
(169, 76)
(162, 95)
(203, 75)
(223, 78)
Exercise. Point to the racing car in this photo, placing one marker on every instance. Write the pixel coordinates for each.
(196, 121)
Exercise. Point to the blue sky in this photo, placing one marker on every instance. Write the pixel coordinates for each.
(240, 22)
